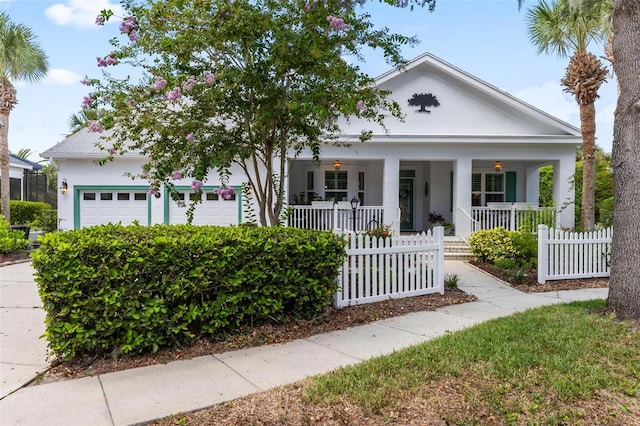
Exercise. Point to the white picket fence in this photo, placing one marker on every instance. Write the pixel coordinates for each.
(377, 269)
(566, 255)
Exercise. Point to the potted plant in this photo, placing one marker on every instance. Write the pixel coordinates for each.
(436, 218)
(449, 228)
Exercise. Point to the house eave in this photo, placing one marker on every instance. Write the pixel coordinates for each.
(451, 138)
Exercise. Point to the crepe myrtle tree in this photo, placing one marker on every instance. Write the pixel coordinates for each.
(236, 82)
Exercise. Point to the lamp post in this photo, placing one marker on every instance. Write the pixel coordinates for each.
(354, 207)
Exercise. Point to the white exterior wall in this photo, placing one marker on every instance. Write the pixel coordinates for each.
(85, 174)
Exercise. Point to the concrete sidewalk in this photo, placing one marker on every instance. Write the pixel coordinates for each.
(147, 393)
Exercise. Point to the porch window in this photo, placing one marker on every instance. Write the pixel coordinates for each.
(335, 185)
(487, 188)
(494, 188)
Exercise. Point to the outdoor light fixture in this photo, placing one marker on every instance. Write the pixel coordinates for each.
(497, 166)
(64, 187)
(337, 164)
(354, 206)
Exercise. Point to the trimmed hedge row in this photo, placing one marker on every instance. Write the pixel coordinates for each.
(113, 289)
(25, 212)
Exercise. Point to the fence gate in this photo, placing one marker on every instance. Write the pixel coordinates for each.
(377, 269)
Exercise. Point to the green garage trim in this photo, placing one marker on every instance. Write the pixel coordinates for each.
(167, 198)
(79, 188)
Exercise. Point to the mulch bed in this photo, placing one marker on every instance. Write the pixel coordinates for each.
(529, 282)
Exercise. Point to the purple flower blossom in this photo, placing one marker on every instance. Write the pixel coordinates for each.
(176, 175)
(108, 60)
(100, 20)
(85, 81)
(361, 106)
(209, 78)
(112, 151)
(127, 25)
(189, 84)
(307, 6)
(95, 126)
(189, 137)
(174, 94)
(133, 36)
(225, 192)
(196, 185)
(153, 191)
(160, 83)
(87, 101)
(336, 23)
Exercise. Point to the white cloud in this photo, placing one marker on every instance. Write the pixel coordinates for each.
(62, 77)
(551, 99)
(80, 13)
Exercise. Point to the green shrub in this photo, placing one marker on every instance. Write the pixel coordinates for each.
(605, 218)
(451, 281)
(488, 245)
(25, 212)
(47, 221)
(11, 241)
(112, 289)
(504, 264)
(526, 248)
(505, 249)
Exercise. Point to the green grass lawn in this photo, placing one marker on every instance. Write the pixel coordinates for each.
(564, 364)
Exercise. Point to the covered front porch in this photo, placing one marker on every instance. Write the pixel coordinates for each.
(405, 195)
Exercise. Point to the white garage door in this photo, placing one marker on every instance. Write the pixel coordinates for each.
(213, 210)
(98, 207)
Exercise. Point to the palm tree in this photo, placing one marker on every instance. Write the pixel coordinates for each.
(81, 120)
(564, 30)
(21, 58)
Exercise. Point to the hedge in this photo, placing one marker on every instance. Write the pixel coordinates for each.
(113, 289)
(25, 212)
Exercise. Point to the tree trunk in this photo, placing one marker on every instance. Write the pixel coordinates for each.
(4, 166)
(588, 124)
(624, 285)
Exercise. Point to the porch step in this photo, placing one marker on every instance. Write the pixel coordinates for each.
(455, 248)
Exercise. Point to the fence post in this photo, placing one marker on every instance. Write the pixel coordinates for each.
(340, 279)
(438, 237)
(543, 253)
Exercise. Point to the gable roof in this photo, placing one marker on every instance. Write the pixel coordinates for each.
(482, 113)
(81, 144)
(467, 109)
(23, 163)
(427, 60)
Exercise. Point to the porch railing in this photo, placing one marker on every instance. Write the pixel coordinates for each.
(334, 216)
(513, 216)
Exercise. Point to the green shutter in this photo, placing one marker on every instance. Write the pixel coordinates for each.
(510, 193)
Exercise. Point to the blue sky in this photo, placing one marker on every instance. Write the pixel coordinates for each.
(485, 38)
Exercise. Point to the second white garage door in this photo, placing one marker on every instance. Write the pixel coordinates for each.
(213, 210)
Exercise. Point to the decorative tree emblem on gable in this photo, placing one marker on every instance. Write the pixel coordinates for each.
(424, 100)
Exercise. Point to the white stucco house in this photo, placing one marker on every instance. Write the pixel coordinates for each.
(465, 148)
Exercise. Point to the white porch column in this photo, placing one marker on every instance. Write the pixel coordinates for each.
(532, 194)
(462, 169)
(390, 197)
(563, 191)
